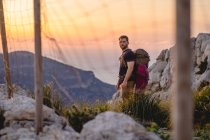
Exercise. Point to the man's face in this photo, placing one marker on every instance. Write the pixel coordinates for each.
(123, 43)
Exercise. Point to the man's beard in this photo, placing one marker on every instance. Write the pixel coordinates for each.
(124, 47)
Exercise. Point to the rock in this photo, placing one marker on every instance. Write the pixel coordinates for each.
(165, 81)
(199, 60)
(161, 57)
(155, 87)
(53, 132)
(156, 73)
(152, 67)
(196, 69)
(167, 55)
(204, 77)
(116, 99)
(115, 126)
(19, 113)
(161, 71)
(159, 67)
(155, 77)
(207, 53)
(20, 134)
(23, 108)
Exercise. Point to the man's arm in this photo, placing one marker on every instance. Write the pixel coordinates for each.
(128, 73)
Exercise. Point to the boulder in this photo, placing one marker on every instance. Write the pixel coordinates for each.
(19, 114)
(115, 126)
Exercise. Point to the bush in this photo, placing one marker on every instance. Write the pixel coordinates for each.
(153, 127)
(50, 98)
(203, 84)
(204, 133)
(202, 107)
(145, 108)
(78, 115)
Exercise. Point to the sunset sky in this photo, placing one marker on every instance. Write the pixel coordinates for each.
(84, 33)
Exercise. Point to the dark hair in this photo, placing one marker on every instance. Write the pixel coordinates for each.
(123, 36)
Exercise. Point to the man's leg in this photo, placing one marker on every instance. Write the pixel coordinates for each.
(127, 91)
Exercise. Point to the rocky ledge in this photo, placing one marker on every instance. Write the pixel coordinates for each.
(18, 123)
(160, 72)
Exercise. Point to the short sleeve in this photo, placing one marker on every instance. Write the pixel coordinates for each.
(129, 56)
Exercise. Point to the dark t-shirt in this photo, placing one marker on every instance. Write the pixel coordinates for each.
(127, 56)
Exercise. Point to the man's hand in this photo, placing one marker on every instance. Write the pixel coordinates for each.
(124, 84)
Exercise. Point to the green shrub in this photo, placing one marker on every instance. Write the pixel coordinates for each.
(203, 133)
(153, 127)
(203, 84)
(78, 115)
(145, 108)
(202, 106)
(50, 98)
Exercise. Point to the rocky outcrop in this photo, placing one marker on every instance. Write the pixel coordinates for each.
(19, 114)
(160, 72)
(115, 126)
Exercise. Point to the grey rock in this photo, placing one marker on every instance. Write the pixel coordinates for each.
(162, 55)
(19, 113)
(115, 126)
(161, 71)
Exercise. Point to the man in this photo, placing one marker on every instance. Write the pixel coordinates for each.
(126, 80)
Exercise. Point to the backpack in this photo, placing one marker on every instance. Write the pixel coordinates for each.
(142, 57)
(142, 77)
(141, 69)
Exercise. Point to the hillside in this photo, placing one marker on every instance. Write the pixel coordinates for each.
(71, 83)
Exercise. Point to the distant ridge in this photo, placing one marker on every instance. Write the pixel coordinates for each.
(72, 83)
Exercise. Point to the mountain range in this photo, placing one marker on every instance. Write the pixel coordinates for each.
(72, 84)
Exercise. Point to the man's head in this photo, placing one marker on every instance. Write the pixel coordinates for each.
(123, 42)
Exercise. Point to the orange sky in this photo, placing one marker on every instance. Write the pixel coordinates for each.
(91, 19)
(82, 25)
(101, 19)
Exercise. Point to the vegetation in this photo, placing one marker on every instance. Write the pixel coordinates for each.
(145, 108)
(203, 133)
(162, 133)
(202, 107)
(149, 111)
(203, 84)
(78, 115)
(51, 98)
(202, 112)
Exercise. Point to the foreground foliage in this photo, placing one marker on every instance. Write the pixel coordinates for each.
(78, 115)
(202, 106)
(145, 108)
